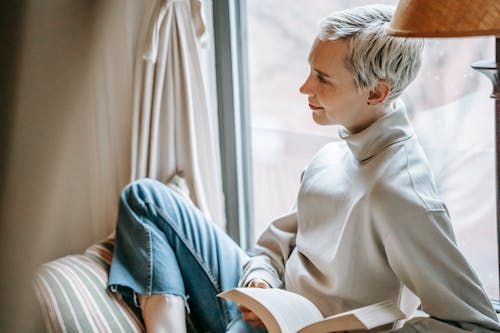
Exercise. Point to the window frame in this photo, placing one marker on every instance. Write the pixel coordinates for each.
(231, 70)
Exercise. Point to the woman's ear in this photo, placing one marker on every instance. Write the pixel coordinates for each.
(379, 93)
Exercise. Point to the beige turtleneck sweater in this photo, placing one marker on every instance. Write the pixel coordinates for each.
(369, 226)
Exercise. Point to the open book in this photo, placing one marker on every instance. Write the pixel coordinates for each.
(283, 311)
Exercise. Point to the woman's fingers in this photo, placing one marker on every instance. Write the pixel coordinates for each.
(248, 315)
(258, 283)
(242, 308)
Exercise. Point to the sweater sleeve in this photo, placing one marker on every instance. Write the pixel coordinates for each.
(271, 252)
(423, 254)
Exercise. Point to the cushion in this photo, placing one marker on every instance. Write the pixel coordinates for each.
(73, 294)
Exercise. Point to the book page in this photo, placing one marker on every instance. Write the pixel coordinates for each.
(364, 318)
(379, 314)
(281, 311)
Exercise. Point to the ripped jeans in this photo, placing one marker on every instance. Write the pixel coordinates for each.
(165, 245)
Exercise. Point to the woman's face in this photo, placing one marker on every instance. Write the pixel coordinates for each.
(333, 95)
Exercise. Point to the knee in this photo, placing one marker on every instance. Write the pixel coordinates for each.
(142, 186)
(143, 192)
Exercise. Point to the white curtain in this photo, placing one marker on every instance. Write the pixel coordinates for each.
(173, 125)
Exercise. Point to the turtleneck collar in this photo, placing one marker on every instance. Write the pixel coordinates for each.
(391, 128)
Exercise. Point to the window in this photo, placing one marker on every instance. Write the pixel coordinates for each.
(448, 105)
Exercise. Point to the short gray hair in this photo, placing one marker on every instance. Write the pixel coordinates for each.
(372, 54)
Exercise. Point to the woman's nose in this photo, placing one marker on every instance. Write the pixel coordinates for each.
(305, 88)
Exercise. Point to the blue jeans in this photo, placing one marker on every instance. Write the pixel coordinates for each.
(165, 245)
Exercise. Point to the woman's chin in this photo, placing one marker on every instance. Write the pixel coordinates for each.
(320, 119)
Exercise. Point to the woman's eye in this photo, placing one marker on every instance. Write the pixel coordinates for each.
(322, 79)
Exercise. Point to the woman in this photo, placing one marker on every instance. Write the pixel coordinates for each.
(368, 224)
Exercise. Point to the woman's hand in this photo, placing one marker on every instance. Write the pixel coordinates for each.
(248, 315)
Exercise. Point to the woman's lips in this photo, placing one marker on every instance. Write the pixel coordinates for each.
(314, 107)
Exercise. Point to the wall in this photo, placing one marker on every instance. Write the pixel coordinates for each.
(66, 81)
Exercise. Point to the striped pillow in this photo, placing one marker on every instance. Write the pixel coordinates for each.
(72, 292)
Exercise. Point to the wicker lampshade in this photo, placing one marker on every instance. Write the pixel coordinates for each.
(446, 18)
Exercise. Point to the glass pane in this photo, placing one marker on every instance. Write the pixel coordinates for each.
(448, 104)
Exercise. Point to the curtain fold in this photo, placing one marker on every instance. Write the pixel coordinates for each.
(173, 125)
